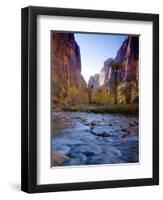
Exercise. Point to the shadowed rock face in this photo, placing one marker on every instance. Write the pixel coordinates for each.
(66, 65)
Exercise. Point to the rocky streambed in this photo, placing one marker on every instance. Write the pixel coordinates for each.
(80, 138)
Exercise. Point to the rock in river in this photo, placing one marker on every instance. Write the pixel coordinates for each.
(103, 134)
(58, 158)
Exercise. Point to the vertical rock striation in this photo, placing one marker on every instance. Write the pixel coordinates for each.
(128, 55)
(106, 72)
(66, 66)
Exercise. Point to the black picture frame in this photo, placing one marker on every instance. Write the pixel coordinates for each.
(29, 98)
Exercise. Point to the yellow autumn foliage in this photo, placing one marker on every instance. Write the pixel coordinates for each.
(102, 97)
(76, 96)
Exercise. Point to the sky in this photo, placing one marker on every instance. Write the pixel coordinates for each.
(95, 49)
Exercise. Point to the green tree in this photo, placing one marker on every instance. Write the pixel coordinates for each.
(116, 66)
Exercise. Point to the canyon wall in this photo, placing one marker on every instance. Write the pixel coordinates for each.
(66, 69)
(94, 81)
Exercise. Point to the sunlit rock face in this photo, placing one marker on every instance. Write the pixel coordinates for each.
(66, 65)
(94, 81)
(105, 73)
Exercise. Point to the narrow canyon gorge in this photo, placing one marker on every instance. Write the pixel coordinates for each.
(118, 76)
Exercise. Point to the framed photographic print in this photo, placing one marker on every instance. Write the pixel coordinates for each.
(90, 99)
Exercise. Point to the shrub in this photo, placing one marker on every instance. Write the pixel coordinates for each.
(102, 97)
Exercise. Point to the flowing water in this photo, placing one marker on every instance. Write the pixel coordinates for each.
(88, 138)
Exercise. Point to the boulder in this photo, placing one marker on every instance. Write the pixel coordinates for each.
(58, 158)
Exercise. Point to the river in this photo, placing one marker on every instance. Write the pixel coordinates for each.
(91, 139)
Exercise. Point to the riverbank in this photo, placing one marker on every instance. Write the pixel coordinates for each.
(132, 109)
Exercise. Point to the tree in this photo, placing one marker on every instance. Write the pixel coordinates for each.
(76, 96)
(116, 66)
(90, 91)
(124, 92)
(73, 95)
(102, 96)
